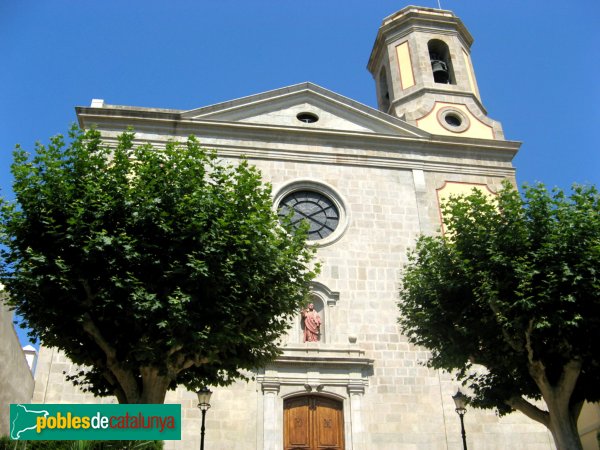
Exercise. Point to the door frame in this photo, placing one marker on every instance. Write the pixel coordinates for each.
(341, 373)
(270, 408)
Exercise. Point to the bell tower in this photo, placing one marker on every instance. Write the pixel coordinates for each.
(421, 64)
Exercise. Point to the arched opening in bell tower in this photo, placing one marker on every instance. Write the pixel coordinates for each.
(384, 92)
(441, 63)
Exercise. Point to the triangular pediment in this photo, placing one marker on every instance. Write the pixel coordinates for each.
(286, 107)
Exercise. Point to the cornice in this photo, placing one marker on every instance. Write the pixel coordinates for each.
(421, 91)
(220, 111)
(172, 125)
(323, 356)
(317, 93)
(259, 141)
(317, 368)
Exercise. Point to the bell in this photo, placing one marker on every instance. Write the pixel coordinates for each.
(440, 71)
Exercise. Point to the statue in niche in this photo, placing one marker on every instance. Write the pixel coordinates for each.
(312, 324)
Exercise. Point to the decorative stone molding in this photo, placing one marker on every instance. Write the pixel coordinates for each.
(315, 388)
(329, 297)
(453, 119)
(270, 385)
(318, 368)
(356, 388)
(336, 372)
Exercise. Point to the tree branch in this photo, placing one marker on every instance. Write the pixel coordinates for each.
(179, 361)
(125, 378)
(516, 345)
(88, 292)
(117, 389)
(575, 410)
(568, 378)
(528, 345)
(124, 385)
(531, 411)
(174, 350)
(197, 361)
(536, 368)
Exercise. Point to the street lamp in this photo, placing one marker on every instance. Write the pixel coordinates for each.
(204, 404)
(460, 400)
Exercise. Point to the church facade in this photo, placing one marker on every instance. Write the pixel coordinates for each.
(370, 181)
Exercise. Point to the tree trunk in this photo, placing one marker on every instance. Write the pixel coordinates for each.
(154, 385)
(152, 389)
(151, 393)
(562, 417)
(564, 429)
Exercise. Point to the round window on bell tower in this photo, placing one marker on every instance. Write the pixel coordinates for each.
(453, 119)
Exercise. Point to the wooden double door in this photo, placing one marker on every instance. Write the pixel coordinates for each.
(313, 423)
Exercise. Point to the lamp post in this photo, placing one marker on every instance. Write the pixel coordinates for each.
(204, 404)
(460, 400)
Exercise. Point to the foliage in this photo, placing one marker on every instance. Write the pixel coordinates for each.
(152, 267)
(513, 286)
(7, 444)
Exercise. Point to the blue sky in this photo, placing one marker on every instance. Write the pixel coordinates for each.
(536, 64)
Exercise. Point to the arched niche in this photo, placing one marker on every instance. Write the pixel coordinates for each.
(319, 307)
(325, 301)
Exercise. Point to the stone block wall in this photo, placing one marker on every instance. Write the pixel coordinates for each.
(16, 379)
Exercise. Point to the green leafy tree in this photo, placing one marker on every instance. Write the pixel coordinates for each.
(513, 286)
(151, 267)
